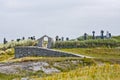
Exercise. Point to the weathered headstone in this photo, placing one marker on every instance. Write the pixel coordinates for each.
(4, 41)
(102, 34)
(67, 39)
(62, 38)
(85, 36)
(110, 35)
(23, 38)
(57, 38)
(93, 37)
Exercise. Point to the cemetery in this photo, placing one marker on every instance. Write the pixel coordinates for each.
(39, 50)
(32, 58)
(45, 50)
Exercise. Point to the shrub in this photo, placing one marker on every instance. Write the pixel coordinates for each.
(13, 44)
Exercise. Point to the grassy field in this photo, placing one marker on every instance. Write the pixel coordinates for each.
(95, 72)
(104, 72)
(8, 77)
(103, 53)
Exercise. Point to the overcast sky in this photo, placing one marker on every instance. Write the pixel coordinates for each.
(68, 18)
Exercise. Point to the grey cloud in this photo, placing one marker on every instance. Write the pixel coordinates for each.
(58, 17)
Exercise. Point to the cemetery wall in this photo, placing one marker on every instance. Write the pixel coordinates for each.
(26, 51)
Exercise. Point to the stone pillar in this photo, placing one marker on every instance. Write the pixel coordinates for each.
(50, 42)
(40, 42)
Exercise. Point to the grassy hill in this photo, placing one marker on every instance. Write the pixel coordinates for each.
(102, 53)
(106, 60)
(94, 72)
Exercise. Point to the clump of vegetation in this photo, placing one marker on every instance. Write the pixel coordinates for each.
(6, 54)
(88, 43)
(13, 44)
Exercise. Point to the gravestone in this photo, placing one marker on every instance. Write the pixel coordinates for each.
(41, 41)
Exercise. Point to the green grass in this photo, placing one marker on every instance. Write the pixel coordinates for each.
(47, 59)
(103, 53)
(105, 72)
(8, 76)
(116, 37)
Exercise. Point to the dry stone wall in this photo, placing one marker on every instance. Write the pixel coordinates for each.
(39, 51)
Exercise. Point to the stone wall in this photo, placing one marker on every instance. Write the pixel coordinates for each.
(38, 51)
